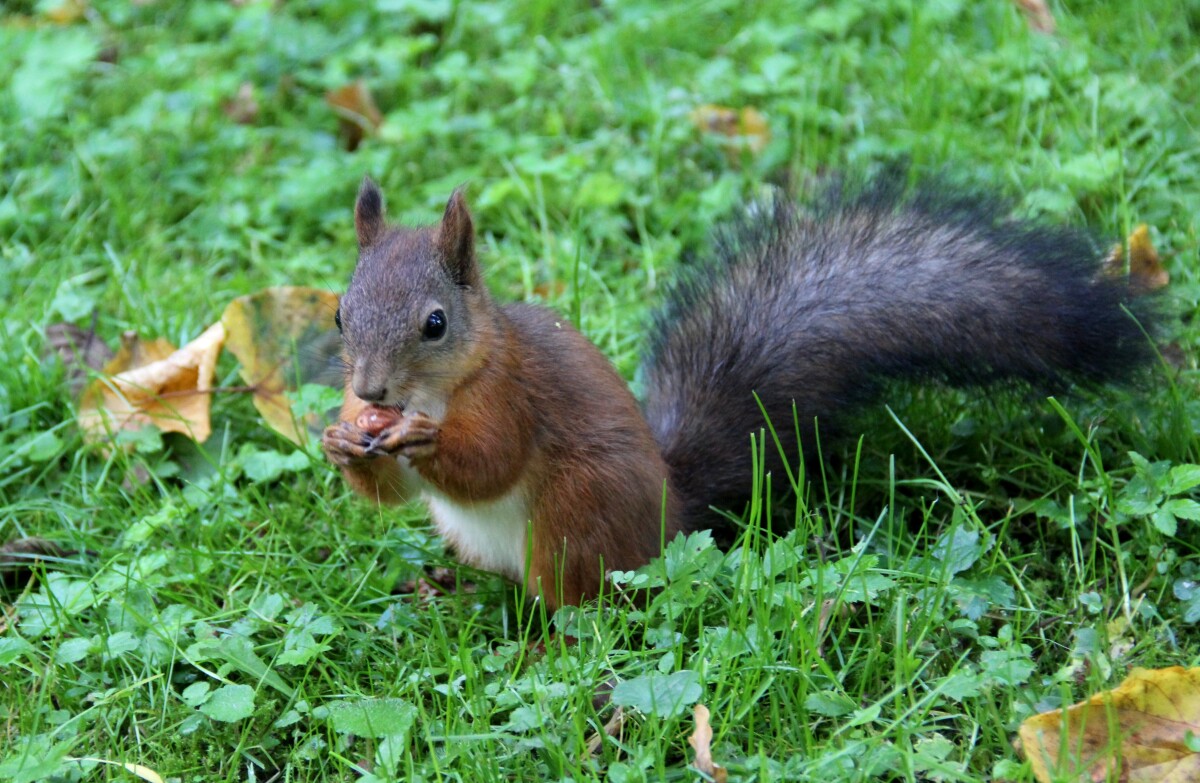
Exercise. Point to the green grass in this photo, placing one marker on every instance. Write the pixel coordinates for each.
(215, 624)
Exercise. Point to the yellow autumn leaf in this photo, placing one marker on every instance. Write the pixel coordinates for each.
(284, 337)
(1145, 267)
(740, 128)
(1137, 732)
(67, 12)
(137, 352)
(1146, 272)
(149, 383)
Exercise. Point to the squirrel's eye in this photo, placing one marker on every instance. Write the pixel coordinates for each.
(435, 326)
(337, 319)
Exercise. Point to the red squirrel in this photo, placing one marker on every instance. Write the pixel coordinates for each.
(537, 462)
(512, 422)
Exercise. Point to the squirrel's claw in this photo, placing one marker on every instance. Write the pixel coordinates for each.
(413, 436)
(346, 445)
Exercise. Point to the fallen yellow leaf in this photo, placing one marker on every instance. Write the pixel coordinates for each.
(1145, 268)
(284, 337)
(152, 384)
(67, 12)
(744, 128)
(1146, 272)
(1136, 733)
(136, 352)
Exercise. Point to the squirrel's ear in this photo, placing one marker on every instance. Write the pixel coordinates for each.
(368, 214)
(456, 240)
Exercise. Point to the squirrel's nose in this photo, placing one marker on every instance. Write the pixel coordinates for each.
(370, 392)
(368, 385)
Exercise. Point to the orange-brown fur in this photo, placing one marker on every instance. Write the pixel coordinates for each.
(593, 469)
(532, 406)
(486, 438)
(381, 479)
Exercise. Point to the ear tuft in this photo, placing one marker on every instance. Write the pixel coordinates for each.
(368, 214)
(456, 241)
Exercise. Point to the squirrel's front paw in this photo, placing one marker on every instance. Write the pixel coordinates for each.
(414, 436)
(346, 445)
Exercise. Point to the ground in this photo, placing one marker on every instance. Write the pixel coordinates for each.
(231, 612)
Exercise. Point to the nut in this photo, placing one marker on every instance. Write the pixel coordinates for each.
(374, 420)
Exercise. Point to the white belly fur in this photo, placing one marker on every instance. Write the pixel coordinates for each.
(489, 535)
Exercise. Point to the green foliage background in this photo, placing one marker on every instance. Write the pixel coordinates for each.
(231, 613)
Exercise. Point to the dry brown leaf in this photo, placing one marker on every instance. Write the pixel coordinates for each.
(67, 12)
(1037, 16)
(242, 108)
(79, 350)
(358, 116)
(284, 337)
(150, 384)
(550, 290)
(434, 582)
(1136, 733)
(744, 128)
(1146, 272)
(701, 742)
(1175, 356)
(19, 558)
(823, 618)
(612, 728)
(602, 695)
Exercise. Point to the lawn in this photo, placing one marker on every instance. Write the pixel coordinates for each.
(231, 611)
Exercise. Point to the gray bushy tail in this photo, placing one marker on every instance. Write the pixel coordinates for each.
(820, 307)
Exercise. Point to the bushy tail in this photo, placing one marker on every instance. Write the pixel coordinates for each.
(819, 307)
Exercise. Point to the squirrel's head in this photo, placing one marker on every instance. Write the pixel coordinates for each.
(407, 319)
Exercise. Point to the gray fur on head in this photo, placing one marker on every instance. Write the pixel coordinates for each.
(456, 241)
(404, 276)
(368, 213)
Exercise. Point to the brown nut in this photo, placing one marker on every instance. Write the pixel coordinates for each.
(374, 420)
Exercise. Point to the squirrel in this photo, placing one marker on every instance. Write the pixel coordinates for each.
(538, 463)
